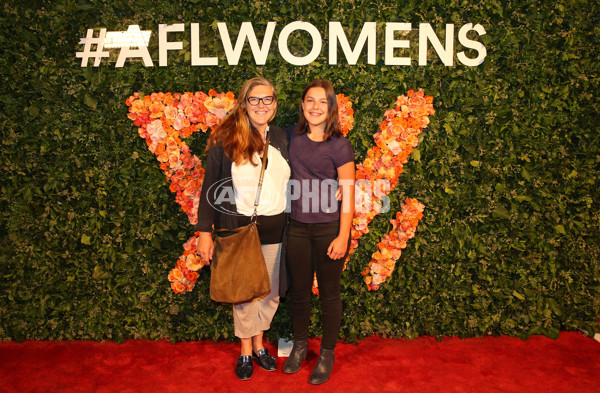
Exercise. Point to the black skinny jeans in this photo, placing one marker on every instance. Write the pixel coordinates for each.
(306, 253)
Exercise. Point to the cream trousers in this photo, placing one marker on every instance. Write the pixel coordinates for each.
(252, 318)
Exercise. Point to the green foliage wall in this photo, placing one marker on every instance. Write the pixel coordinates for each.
(508, 170)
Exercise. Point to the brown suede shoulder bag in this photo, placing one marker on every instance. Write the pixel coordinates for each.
(238, 270)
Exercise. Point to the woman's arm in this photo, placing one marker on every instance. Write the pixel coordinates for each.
(206, 212)
(346, 176)
(205, 247)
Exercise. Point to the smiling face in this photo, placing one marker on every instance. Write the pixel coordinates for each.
(316, 107)
(260, 115)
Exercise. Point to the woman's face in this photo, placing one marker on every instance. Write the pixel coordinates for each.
(316, 107)
(261, 113)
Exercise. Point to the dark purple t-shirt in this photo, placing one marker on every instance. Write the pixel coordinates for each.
(314, 177)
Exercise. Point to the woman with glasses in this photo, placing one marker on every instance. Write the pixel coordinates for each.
(322, 162)
(233, 165)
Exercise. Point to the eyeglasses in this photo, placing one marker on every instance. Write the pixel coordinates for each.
(268, 100)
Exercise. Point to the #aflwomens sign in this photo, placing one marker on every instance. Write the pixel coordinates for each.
(133, 44)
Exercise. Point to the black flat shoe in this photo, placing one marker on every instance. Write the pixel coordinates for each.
(244, 368)
(264, 360)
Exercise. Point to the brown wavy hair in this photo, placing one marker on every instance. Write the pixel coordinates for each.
(332, 126)
(236, 134)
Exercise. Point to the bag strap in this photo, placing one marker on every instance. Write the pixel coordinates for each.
(262, 175)
(260, 183)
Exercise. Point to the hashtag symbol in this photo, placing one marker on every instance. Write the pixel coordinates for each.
(89, 40)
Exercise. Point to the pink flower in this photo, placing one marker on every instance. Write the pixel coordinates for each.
(376, 280)
(180, 122)
(360, 226)
(402, 100)
(220, 113)
(172, 145)
(185, 101)
(155, 131)
(211, 119)
(200, 96)
(170, 112)
(389, 114)
(416, 100)
(395, 147)
(190, 112)
(174, 161)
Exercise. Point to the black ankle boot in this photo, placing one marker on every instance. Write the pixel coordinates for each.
(298, 354)
(323, 368)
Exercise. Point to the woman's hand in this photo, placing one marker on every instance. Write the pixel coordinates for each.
(205, 247)
(337, 248)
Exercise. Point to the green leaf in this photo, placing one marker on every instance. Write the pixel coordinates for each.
(518, 295)
(552, 333)
(85, 239)
(34, 110)
(501, 212)
(90, 101)
(416, 155)
(100, 274)
(522, 198)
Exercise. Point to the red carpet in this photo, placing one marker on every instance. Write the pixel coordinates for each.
(489, 364)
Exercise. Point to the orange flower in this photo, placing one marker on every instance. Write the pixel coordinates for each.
(156, 109)
(137, 107)
(160, 148)
(402, 100)
(177, 274)
(194, 263)
(178, 287)
(163, 157)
